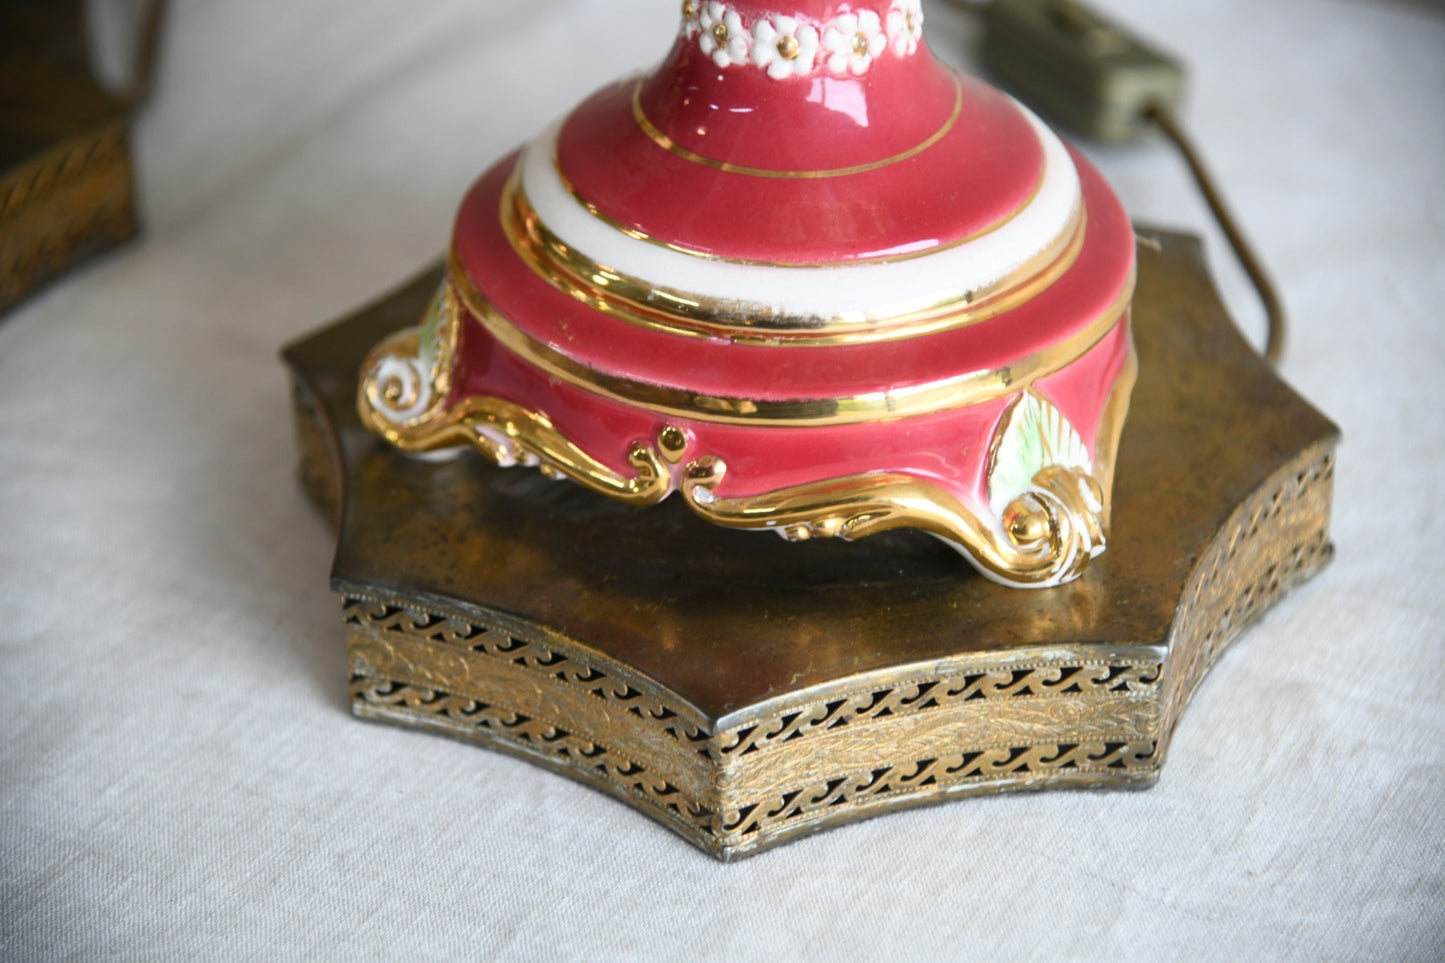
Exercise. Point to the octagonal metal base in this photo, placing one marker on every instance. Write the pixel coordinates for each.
(744, 691)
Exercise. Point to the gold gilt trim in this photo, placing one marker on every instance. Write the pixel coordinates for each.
(957, 391)
(673, 147)
(638, 235)
(646, 304)
(402, 398)
(1033, 556)
(407, 377)
(510, 434)
(1044, 536)
(1111, 426)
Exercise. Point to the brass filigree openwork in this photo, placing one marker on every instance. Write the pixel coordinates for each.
(975, 724)
(742, 701)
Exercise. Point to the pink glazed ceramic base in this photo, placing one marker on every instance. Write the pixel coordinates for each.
(803, 275)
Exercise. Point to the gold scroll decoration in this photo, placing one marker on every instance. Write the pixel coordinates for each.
(1048, 507)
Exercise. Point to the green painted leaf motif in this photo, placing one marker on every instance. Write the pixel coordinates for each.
(429, 336)
(1036, 435)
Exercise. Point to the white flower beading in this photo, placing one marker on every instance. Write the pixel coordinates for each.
(852, 40)
(787, 45)
(723, 37)
(905, 26)
(690, 26)
(784, 46)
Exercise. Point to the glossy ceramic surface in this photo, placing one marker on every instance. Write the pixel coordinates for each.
(804, 275)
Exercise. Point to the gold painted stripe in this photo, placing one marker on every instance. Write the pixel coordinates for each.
(905, 402)
(648, 305)
(637, 235)
(672, 146)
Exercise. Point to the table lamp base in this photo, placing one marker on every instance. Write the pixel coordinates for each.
(743, 691)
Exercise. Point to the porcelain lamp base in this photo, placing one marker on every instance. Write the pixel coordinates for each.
(743, 691)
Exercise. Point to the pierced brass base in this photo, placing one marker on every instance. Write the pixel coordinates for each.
(744, 691)
(67, 187)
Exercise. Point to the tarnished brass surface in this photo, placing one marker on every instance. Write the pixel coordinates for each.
(744, 691)
(66, 179)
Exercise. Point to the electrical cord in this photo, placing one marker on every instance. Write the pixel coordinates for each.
(1101, 80)
(1273, 308)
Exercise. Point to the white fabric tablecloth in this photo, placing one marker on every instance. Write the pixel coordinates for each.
(181, 778)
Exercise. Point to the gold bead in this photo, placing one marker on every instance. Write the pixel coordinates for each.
(1024, 526)
(788, 48)
(720, 34)
(860, 45)
(672, 440)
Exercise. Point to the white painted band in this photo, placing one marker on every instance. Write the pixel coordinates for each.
(852, 291)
